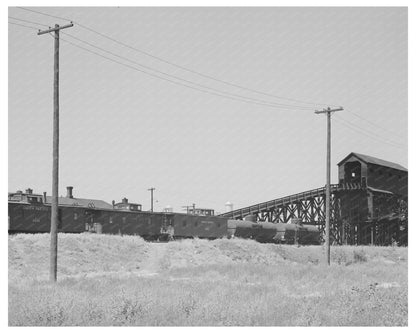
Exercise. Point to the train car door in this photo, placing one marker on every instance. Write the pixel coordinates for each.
(167, 229)
(89, 220)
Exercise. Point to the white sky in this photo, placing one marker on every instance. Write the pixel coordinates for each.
(123, 131)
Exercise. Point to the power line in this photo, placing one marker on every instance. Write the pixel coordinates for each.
(370, 132)
(375, 125)
(25, 26)
(188, 81)
(193, 71)
(172, 81)
(365, 133)
(27, 21)
(41, 13)
(176, 65)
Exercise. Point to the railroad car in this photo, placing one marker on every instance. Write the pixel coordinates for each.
(309, 234)
(27, 217)
(267, 232)
(243, 229)
(150, 226)
(34, 218)
(192, 226)
(289, 233)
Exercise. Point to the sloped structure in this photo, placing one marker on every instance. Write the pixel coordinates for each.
(368, 205)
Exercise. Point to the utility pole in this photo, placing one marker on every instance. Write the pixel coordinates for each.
(328, 112)
(53, 269)
(151, 197)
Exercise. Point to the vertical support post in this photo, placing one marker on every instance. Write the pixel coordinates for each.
(328, 190)
(55, 164)
(53, 268)
(328, 112)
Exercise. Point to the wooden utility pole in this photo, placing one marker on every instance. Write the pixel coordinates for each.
(53, 269)
(151, 197)
(328, 180)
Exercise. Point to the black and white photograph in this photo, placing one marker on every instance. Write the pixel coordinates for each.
(206, 165)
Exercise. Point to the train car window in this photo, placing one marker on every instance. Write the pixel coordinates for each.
(218, 224)
(75, 216)
(110, 219)
(184, 223)
(124, 219)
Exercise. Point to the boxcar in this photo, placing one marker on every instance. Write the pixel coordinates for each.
(189, 226)
(123, 222)
(33, 218)
(26, 217)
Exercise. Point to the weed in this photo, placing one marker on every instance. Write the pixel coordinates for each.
(188, 304)
(359, 256)
(202, 284)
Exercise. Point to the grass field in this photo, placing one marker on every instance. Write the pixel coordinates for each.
(113, 280)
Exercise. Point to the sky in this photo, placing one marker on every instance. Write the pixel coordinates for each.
(123, 131)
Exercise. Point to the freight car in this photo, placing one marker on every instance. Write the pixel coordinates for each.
(194, 226)
(36, 218)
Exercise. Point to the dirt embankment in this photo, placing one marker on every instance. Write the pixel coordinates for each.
(89, 255)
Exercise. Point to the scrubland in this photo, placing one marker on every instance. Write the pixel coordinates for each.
(125, 281)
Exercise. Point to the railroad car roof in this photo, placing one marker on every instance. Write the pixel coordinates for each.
(374, 160)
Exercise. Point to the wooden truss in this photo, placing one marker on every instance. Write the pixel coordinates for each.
(309, 207)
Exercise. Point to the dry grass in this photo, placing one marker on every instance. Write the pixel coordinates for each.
(112, 280)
